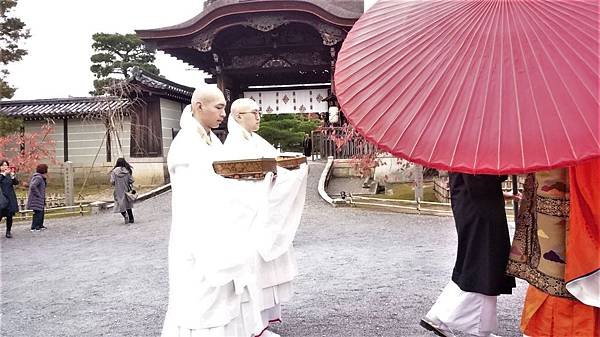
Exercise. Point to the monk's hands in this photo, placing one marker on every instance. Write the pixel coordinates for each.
(510, 196)
(271, 177)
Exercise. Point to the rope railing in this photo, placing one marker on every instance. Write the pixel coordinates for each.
(418, 206)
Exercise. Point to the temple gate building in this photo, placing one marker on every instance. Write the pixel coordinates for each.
(280, 53)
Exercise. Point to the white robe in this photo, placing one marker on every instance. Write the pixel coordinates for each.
(277, 223)
(467, 312)
(210, 260)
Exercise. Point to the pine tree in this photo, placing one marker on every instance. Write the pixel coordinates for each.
(12, 31)
(114, 55)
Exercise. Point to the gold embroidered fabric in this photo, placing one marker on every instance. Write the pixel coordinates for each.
(538, 252)
(552, 207)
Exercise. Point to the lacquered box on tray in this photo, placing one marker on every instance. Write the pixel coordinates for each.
(245, 168)
(291, 163)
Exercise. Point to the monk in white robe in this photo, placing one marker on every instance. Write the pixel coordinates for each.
(211, 280)
(276, 227)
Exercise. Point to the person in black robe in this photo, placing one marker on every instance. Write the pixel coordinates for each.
(307, 145)
(468, 303)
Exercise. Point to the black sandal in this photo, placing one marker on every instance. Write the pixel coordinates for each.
(436, 330)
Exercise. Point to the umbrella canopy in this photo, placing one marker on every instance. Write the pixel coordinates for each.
(475, 86)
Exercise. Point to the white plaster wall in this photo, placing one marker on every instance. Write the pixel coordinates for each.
(86, 140)
(148, 171)
(393, 170)
(170, 113)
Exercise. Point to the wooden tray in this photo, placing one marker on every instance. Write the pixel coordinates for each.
(245, 169)
(291, 163)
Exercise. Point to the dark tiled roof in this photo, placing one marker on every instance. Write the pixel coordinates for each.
(61, 107)
(343, 9)
(98, 105)
(161, 86)
(352, 9)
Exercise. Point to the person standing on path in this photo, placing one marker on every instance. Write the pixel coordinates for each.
(8, 179)
(468, 302)
(36, 198)
(307, 145)
(273, 232)
(121, 178)
(212, 291)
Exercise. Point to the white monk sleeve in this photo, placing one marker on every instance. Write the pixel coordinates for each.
(210, 217)
(283, 213)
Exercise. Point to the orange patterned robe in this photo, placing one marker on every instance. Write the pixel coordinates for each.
(556, 242)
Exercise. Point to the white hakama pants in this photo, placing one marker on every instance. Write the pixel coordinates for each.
(247, 324)
(275, 278)
(468, 312)
(272, 299)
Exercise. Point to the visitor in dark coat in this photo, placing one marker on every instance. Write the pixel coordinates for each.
(8, 179)
(121, 178)
(307, 145)
(36, 198)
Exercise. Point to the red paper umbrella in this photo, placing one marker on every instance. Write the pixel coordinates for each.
(475, 86)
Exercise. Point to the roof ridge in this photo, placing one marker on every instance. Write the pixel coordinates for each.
(137, 72)
(43, 101)
(341, 12)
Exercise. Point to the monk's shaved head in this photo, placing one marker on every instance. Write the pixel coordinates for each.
(208, 106)
(246, 113)
(242, 105)
(206, 94)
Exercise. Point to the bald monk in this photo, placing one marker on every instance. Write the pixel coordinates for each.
(211, 280)
(274, 230)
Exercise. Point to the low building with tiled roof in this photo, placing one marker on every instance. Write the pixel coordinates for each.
(80, 132)
(72, 107)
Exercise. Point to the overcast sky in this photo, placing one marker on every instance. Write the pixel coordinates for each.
(60, 46)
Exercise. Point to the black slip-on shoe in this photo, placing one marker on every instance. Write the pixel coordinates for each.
(425, 323)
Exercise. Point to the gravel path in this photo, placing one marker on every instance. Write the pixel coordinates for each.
(362, 273)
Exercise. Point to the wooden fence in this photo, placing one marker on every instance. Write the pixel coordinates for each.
(441, 189)
(75, 210)
(53, 200)
(324, 146)
(55, 207)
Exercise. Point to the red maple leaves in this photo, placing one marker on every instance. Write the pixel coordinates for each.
(25, 151)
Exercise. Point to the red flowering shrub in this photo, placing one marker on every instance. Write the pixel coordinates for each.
(26, 151)
(364, 155)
